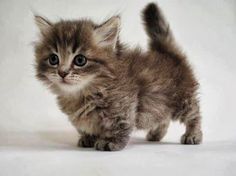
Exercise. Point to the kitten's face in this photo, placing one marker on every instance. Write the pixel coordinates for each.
(70, 55)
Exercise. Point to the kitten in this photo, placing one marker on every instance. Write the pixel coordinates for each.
(107, 90)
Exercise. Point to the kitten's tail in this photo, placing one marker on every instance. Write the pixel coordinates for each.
(157, 28)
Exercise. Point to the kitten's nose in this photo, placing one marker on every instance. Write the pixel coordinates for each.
(63, 73)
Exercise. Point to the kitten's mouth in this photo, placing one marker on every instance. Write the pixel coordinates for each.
(63, 81)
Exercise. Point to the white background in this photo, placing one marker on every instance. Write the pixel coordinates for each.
(35, 137)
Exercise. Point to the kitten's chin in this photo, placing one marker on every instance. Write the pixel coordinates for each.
(68, 88)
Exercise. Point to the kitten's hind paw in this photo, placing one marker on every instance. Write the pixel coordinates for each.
(106, 145)
(87, 141)
(195, 138)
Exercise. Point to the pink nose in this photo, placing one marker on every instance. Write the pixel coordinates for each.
(63, 73)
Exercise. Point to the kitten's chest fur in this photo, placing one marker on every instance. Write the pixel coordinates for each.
(82, 111)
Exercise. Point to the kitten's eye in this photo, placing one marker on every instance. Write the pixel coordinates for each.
(53, 59)
(80, 60)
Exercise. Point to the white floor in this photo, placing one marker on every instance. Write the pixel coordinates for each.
(206, 30)
(55, 153)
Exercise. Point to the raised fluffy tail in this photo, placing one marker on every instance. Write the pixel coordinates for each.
(157, 28)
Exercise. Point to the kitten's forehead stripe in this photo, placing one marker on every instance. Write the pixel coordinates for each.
(70, 34)
(76, 43)
(65, 34)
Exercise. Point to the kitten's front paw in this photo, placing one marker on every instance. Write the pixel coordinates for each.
(87, 141)
(106, 145)
(195, 138)
(153, 137)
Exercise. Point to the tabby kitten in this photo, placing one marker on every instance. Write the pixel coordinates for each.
(107, 90)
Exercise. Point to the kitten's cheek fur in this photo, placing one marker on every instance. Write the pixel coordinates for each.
(44, 79)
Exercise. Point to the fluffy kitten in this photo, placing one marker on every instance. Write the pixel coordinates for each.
(107, 90)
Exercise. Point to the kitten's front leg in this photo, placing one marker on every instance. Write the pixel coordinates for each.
(115, 136)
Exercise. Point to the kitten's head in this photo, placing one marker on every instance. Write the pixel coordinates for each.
(72, 54)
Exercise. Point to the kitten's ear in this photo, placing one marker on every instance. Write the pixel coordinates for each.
(106, 35)
(43, 24)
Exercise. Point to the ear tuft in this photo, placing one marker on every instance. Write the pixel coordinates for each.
(106, 35)
(43, 24)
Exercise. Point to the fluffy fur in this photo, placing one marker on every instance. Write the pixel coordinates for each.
(119, 88)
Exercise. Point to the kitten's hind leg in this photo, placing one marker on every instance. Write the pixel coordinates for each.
(156, 134)
(87, 140)
(193, 133)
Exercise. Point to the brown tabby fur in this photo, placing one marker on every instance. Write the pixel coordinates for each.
(128, 88)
